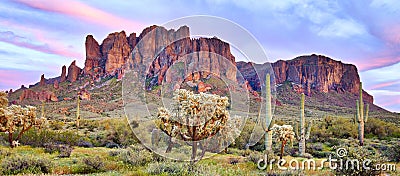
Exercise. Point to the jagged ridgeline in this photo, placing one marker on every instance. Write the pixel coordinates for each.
(330, 85)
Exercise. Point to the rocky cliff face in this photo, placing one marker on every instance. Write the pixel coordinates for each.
(159, 48)
(43, 95)
(73, 72)
(63, 73)
(93, 55)
(313, 72)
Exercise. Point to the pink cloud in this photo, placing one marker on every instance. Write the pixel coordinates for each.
(391, 101)
(384, 84)
(83, 12)
(15, 78)
(373, 63)
(12, 38)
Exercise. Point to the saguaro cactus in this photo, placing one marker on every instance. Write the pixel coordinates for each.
(268, 119)
(301, 134)
(78, 116)
(361, 119)
(43, 112)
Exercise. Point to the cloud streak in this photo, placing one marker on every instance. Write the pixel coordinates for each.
(10, 37)
(83, 12)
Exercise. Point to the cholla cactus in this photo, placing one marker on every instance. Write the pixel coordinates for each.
(283, 134)
(228, 133)
(16, 117)
(3, 100)
(194, 117)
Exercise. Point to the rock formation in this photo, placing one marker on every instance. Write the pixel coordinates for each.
(159, 48)
(73, 72)
(43, 95)
(42, 81)
(313, 72)
(56, 85)
(63, 73)
(116, 51)
(93, 55)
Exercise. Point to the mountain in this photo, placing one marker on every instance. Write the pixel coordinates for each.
(113, 55)
(313, 72)
(327, 82)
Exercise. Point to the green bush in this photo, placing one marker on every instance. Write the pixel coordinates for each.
(360, 154)
(393, 153)
(25, 165)
(93, 164)
(117, 131)
(343, 128)
(63, 150)
(136, 155)
(254, 157)
(37, 138)
(168, 168)
(381, 129)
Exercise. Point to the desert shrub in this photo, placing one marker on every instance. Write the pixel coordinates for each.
(212, 169)
(168, 168)
(318, 146)
(136, 155)
(37, 138)
(254, 157)
(117, 131)
(333, 142)
(85, 144)
(243, 138)
(25, 165)
(56, 125)
(360, 154)
(315, 149)
(381, 129)
(112, 145)
(4, 153)
(393, 153)
(319, 133)
(320, 154)
(93, 164)
(116, 152)
(63, 150)
(343, 128)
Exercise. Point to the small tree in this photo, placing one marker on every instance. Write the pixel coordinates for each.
(16, 118)
(283, 134)
(194, 117)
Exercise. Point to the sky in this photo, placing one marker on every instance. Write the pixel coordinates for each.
(38, 37)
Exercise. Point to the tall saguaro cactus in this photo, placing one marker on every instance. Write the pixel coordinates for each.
(43, 112)
(78, 116)
(361, 119)
(301, 134)
(268, 119)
